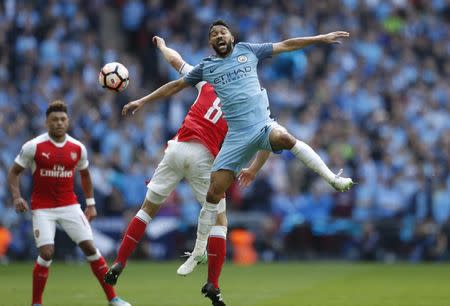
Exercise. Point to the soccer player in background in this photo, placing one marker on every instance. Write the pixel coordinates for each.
(53, 158)
(232, 71)
(190, 155)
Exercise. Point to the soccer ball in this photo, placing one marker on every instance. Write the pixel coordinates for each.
(114, 76)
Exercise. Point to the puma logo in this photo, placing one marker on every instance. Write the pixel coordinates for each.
(46, 155)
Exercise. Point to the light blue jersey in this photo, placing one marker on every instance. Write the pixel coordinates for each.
(235, 80)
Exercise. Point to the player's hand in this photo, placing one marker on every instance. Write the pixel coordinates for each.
(333, 37)
(20, 205)
(132, 107)
(246, 176)
(90, 212)
(158, 42)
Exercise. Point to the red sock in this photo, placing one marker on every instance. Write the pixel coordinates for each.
(217, 250)
(40, 275)
(99, 267)
(131, 238)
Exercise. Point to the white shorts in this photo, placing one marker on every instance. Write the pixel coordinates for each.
(189, 160)
(70, 218)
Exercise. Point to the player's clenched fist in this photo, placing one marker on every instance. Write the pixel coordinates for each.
(90, 212)
(20, 205)
(158, 42)
(132, 107)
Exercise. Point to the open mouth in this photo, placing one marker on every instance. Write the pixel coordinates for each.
(221, 43)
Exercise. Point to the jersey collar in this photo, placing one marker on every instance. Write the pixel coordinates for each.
(57, 144)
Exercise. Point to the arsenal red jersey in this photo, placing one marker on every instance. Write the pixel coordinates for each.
(204, 122)
(53, 165)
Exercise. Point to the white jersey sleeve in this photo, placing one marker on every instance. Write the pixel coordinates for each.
(185, 69)
(25, 158)
(83, 163)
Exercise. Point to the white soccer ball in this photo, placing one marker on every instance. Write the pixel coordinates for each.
(114, 76)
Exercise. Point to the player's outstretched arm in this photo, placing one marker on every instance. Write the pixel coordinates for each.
(164, 91)
(171, 56)
(14, 186)
(88, 190)
(302, 42)
(247, 175)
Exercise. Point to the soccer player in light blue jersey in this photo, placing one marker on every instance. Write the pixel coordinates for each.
(232, 71)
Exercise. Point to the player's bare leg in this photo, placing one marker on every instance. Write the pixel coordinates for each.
(40, 272)
(99, 267)
(133, 235)
(280, 139)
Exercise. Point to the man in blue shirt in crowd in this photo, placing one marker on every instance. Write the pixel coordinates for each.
(232, 71)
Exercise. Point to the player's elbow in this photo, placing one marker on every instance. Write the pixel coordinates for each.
(85, 175)
(14, 172)
(281, 47)
(175, 62)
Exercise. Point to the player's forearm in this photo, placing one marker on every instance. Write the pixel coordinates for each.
(14, 184)
(296, 43)
(164, 91)
(172, 57)
(86, 184)
(259, 161)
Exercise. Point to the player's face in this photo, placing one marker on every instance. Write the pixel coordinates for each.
(57, 124)
(221, 40)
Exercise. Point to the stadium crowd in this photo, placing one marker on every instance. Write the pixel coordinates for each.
(375, 105)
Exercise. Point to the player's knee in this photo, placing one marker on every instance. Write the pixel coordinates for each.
(214, 194)
(47, 252)
(283, 140)
(88, 247)
(153, 197)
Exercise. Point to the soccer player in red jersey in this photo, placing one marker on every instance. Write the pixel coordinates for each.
(190, 155)
(53, 158)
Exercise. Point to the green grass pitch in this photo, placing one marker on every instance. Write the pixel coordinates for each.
(282, 284)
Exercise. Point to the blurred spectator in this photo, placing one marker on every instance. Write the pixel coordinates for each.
(5, 241)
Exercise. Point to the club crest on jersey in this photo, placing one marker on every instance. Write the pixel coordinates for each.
(73, 155)
(242, 59)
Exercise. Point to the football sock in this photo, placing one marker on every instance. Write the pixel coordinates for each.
(311, 159)
(99, 267)
(132, 236)
(40, 275)
(206, 219)
(217, 251)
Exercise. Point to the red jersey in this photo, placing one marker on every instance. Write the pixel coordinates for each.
(53, 166)
(204, 122)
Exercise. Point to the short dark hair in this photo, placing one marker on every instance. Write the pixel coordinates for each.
(56, 106)
(218, 22)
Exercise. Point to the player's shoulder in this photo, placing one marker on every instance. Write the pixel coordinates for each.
(242, 48)
(247, 46)
(75, 142)
(242, 45)
(31, 145)
(37, 140)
